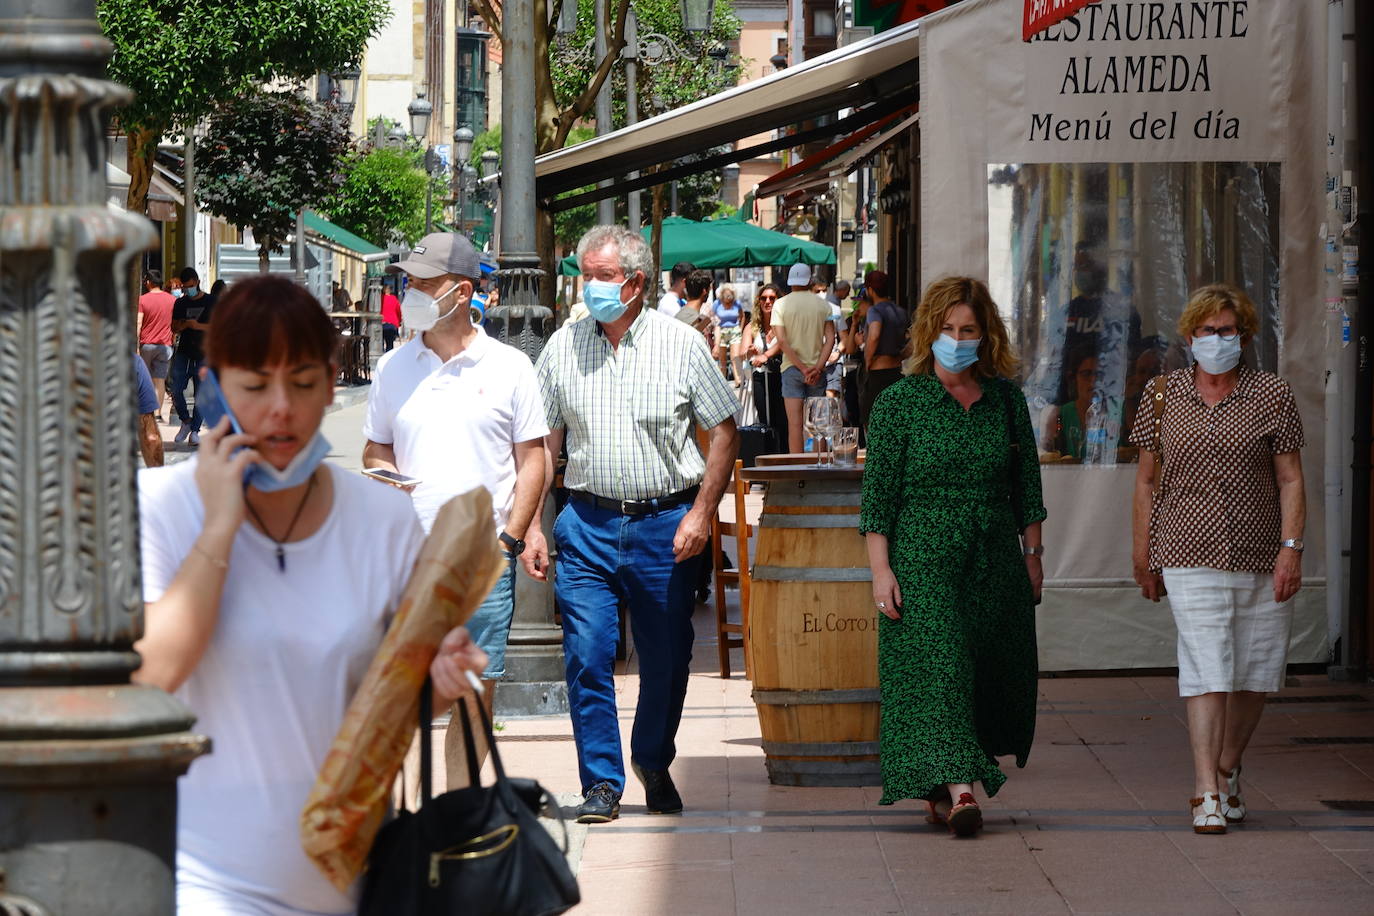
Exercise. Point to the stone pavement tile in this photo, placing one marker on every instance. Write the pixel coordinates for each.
(1111, 871)
(1342, 842)
(934, 872)
(631, 874)
(1361, 862)
(1281, 871)
(795, 872)
(1062, 776)
(1074, 691)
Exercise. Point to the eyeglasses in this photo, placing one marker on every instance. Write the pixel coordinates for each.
(768, 298)
(1228, 333)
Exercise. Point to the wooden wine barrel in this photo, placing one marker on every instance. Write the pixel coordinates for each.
(813, 632)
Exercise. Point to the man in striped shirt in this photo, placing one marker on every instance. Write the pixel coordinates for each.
(626, 386)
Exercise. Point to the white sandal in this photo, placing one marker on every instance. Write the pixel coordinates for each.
(1210, 820)
(1232, 808)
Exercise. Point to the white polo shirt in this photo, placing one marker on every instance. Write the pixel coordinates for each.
(454, 424)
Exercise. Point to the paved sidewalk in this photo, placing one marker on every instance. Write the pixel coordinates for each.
(1096, 823)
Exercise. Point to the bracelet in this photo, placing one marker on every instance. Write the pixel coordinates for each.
(215, 561)
(1037, 550)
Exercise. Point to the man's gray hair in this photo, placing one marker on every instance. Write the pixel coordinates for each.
(634, 253)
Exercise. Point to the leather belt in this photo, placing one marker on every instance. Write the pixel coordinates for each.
(636, 506)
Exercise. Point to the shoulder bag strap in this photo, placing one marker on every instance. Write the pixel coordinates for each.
(1160, 389)
(1014, 465)
(426, 743)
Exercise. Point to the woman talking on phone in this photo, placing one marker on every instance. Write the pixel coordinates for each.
(265, 599)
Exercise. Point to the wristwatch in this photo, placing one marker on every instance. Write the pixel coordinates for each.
(1037, 551)
(1295, 543)
(514, 546)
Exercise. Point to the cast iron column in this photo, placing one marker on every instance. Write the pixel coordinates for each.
(533, 684)
(88, 762)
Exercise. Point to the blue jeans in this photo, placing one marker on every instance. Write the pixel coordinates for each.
(184, 368)
(489, 625)
(605, 558)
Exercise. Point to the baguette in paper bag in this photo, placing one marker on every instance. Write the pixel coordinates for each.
(458, 565)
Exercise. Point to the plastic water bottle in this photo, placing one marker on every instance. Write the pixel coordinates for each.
(1095, 443)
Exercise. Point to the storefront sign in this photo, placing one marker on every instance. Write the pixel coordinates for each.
(1041, 14)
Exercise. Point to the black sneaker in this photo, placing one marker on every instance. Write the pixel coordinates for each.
(600, 805)
(660, 795)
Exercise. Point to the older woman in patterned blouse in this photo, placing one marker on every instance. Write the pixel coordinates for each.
(1219, 514)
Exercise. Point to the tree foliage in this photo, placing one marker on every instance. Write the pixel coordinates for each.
(382, 198)
(182, 58)
(267, 155)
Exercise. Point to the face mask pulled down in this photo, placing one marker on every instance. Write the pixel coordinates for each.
(420, 311)
(1216, 356)
(603, 299)
(297, 471)
(955, 355)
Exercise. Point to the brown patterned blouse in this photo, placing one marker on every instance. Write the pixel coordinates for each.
(1218, 500)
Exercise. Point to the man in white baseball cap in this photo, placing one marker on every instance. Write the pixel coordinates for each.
(806, 335)
(457, 409)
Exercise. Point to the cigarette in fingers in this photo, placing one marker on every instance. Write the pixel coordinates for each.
(475, 681)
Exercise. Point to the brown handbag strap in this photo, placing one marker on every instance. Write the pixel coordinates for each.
(1160, 388)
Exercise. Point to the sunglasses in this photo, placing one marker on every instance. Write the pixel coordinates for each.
(768, 298)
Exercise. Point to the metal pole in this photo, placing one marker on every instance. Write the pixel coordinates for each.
(534, 683)
(188, 229)
(429, 189)
(631, 55)
(300, 248)
(88, 761)
(605, 208)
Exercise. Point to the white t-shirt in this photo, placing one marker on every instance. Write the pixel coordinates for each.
(670, 304)
(289, 650)
(454, 425)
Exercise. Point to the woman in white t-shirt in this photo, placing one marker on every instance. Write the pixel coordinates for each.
(265, 602)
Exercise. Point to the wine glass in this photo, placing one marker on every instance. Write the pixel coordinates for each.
(822, 421)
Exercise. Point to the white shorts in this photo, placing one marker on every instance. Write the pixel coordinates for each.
(1232, 634)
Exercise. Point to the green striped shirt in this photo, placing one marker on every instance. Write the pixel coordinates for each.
(629, 411)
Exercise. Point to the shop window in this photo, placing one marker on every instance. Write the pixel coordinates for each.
(1092, 265)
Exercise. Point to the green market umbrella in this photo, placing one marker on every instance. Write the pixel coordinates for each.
(726, 243)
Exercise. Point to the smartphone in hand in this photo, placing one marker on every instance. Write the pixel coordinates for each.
(391, 477)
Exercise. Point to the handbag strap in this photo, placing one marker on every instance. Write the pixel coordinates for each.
(426, 741)
(1014, 466)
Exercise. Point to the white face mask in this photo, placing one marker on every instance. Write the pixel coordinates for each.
(420, 311)
(1216, 356)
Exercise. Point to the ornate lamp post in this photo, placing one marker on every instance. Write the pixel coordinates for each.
(88, 761)
(462, 152)
(534, 660)
(420, 111)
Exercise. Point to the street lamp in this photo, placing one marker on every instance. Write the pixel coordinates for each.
(696, 15)
(491, 161)
(346, 83)
(462, 152)
(420, 111)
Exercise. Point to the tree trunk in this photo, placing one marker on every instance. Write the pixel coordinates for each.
(139, 164)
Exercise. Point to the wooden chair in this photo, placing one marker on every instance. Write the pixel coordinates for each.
(730, 635)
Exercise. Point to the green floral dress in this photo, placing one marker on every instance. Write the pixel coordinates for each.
(958, 671)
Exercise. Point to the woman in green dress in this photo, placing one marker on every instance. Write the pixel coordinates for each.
(955, 581)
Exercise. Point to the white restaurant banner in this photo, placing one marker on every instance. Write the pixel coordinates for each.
(1094, 175)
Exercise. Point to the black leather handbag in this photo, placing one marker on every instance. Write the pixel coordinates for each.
(478, 851)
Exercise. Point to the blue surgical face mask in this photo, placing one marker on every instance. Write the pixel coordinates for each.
(1216, 356)
(268, 479)
(955, 355)
(603, 299)
(190, 291)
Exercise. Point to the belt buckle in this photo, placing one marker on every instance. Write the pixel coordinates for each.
(625, 507)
